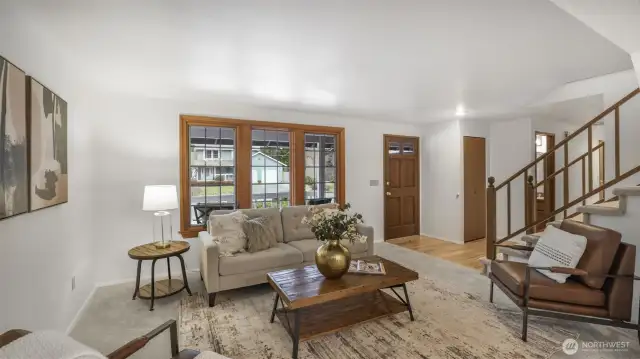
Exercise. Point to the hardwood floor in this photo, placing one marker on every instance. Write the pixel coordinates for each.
(467, 254)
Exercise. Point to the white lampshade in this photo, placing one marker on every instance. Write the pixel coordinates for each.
(160, 198)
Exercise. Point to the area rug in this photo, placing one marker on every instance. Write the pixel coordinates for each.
(450, 323)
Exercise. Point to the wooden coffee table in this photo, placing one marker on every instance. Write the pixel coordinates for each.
(312, 305)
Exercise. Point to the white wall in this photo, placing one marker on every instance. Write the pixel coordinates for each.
(138, 145)
(510, 150)
(627, 225)
(442, 181)
(635, 57)
(41, 251)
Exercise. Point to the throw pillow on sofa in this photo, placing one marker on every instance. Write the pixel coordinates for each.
(557, 248)
(227, 232)
(260, 234)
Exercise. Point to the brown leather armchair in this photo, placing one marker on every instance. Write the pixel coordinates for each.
(128, 349)
(599, 291)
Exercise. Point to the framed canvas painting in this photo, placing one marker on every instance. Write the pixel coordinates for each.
(14, 179)
(49, 170)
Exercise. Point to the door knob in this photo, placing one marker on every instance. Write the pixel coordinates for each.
(388, 183)
(388, 193)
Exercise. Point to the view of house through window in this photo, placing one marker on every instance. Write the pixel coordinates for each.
(212, 170)
(270, 159)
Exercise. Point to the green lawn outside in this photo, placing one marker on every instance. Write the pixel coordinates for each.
(211, 191)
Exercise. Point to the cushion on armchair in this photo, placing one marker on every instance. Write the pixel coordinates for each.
(557, 248)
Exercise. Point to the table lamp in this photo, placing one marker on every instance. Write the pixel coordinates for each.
(160, 199)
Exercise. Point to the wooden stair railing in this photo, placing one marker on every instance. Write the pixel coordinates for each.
(530, 221)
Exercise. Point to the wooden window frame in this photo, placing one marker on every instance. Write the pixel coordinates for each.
(242, 160)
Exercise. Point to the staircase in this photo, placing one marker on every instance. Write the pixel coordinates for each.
(621, 213)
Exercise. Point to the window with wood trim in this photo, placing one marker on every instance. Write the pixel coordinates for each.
(227, 164)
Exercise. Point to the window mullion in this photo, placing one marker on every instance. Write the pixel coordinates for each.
(298, 168)
(243, 166)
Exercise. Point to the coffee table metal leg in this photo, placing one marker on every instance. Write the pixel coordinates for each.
(153, 283)
(137, 289)
(169, 268)
(275, 306)
(296, 333)
(184, 275)
(406, 294)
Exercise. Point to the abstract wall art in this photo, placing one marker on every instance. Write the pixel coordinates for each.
(48, 147)
(14, 179)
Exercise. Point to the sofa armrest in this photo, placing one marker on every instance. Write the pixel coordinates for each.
(368, 232)
(209, 262)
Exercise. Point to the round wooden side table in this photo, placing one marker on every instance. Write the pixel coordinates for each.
(166, 287)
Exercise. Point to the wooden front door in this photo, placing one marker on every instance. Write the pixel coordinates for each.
(401, 186)
(475, 195)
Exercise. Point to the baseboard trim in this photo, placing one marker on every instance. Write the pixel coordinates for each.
(160, 275)
(81, 311)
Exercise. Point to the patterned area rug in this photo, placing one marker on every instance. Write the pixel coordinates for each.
(449, 324)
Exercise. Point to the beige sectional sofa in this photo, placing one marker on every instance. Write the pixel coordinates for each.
(296, 248)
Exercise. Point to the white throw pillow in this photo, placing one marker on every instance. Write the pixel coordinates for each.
(557, 248)
(227, 232)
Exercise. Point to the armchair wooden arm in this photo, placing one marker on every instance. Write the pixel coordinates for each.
(515, 246)
(126, 350)
(11, 335)
(133, 346)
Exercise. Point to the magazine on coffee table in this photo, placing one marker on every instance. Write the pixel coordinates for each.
(366, 267)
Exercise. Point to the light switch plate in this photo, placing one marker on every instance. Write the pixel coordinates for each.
(374, 183)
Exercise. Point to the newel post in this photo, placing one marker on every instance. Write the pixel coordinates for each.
(530, 204)
(491, 220)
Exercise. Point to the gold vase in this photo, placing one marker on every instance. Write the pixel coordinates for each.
(332, 259)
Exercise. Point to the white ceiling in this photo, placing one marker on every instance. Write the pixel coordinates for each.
(617, 20)
(401, 60)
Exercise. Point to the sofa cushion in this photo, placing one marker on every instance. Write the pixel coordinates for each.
(278, 256)
(512, 275)
(227, 232)
(308, 248)
(273, 214)
(260, 234)
(292, 226)
(602, 245)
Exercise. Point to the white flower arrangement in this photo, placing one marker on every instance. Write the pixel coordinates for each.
(334, 223)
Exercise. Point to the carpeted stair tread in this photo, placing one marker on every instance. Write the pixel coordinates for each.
(627, 191)
(602, 210)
